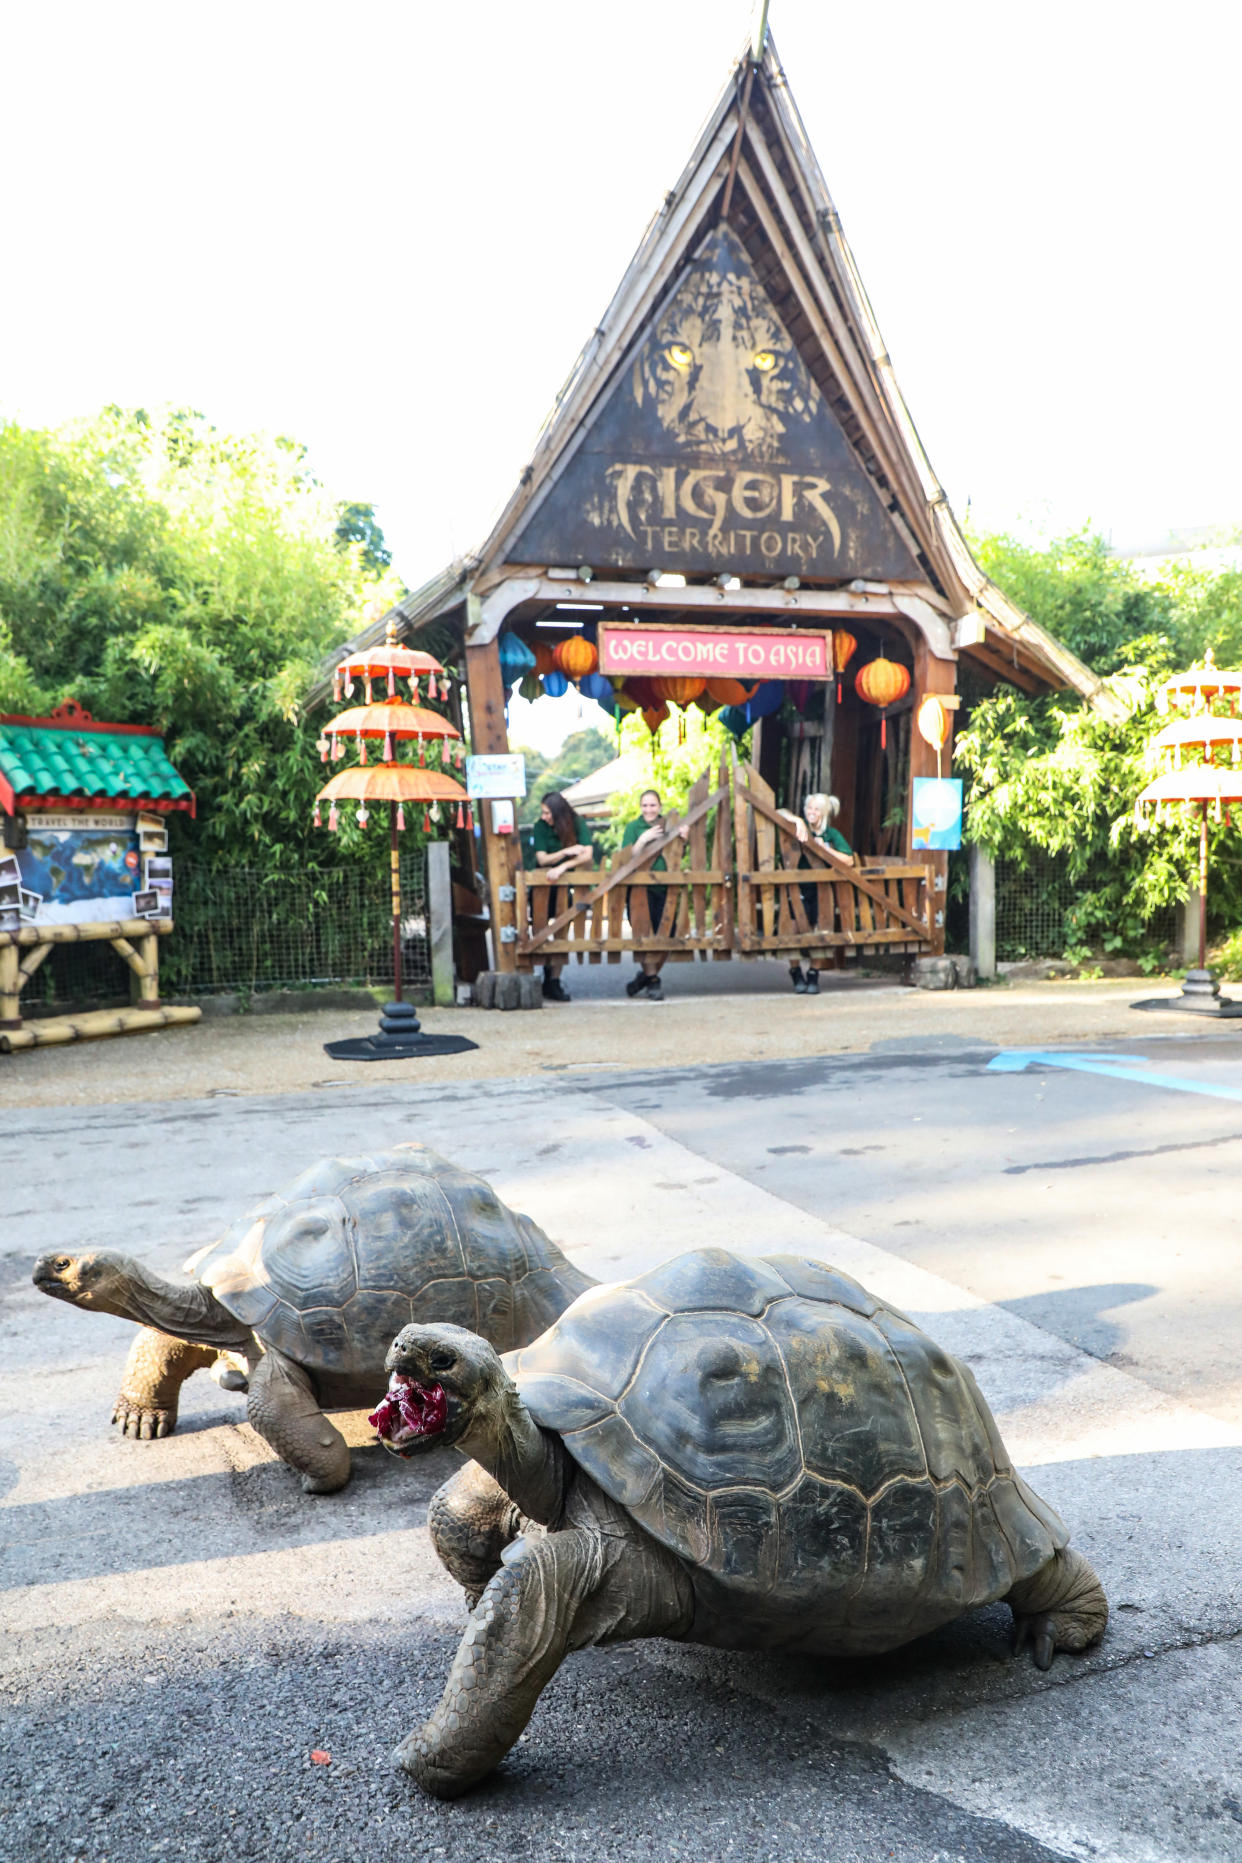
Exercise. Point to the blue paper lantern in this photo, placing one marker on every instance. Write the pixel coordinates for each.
(733, 718)
(596, 686)
(516, 658)
(555, 684)
(767, 700)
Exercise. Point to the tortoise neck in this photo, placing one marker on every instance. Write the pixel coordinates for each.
(183, 1309)
(527, 1462)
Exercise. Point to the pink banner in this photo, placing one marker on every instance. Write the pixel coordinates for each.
(713, 653)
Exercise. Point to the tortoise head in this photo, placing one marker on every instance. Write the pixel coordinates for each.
(444, 1384)
(100, 1283)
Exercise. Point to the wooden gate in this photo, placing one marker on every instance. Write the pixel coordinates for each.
(733, 885)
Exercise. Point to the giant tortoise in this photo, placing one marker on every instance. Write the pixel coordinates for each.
(299, 1300)
(755, 1454)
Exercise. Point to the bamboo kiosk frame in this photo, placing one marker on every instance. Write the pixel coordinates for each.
(134, 940)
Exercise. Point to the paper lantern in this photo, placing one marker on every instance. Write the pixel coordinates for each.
(730, 691)
(555, 684)
(765, 700)
(575, 656)
(935, 724)
(544, 659)
(843, 645)
(654, 716)
(882, 682)
(679, 689)
(516, 658)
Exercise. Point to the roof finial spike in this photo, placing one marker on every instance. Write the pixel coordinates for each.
(390, 632)
(758, 31)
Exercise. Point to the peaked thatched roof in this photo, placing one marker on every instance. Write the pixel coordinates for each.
(752, 196)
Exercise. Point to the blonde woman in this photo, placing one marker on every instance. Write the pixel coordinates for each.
(819, 812)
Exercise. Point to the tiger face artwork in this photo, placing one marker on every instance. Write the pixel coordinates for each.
(718, 370)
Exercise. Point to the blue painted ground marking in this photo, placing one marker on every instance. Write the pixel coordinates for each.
(1115, 1066)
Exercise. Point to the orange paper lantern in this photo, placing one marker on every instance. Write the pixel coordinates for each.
(545, 659)
(575, 657)
(654, 716)
(843, 645)
(730, 691)
(679, 689)
(882, 682)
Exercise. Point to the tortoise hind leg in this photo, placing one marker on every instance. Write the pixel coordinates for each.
(472, 1520)
(281, 1405)
(157, 1367)
(555, 1593)
(1061, 1607)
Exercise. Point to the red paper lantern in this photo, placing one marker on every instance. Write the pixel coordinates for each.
(575, 657)
(882, 682)
(679, 689)
(545, 659)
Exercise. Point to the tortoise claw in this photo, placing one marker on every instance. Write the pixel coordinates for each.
(1037, 1631)
(141, 1424)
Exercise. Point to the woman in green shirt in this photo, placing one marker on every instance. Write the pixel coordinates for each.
(819, 812)
(647, 827)
(560, 842)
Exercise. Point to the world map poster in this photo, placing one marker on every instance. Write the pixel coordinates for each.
(77, 869)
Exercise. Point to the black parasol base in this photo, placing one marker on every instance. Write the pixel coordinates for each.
(401, 1038)
(1200, 997)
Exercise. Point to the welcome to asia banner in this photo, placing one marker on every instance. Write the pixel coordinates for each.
(714, 653)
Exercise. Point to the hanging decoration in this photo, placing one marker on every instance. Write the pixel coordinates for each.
(555, 684)
(678, 688)
(843, 645)
(766, 699)
(516, 658)
(934, 725)
(882, 682)
(596, 686)
(545, 658)
(386, 665)
(654, 716)
(730, 691)
(1201, 754)
(575, 657)
(530, 688)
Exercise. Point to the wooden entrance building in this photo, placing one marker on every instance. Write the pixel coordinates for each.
(731, 457)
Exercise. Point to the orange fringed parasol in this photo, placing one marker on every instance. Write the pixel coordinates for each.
(389, 663)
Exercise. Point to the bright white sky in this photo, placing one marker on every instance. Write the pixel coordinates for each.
(388, 229)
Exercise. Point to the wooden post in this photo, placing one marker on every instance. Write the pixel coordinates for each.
(440, 921)
(10, 987)
(932, 677)
(489, 736)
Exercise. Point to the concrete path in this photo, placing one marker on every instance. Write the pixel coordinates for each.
(186, 1627)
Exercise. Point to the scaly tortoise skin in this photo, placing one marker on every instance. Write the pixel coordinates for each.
(750, 1453)
(297, 1302)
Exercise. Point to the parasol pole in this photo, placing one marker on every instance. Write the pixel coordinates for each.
(395, 862)
(1203, 851)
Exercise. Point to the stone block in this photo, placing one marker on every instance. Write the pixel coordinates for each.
(967, 975)
(933, 973)
(485, 989)
(508, 990)
(531, 985)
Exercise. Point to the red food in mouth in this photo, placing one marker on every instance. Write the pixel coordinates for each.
(409, 1410)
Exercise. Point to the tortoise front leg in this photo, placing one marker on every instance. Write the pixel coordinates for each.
(471, 1520)
(157, 1367)
(281, 1405)
(552, 1594)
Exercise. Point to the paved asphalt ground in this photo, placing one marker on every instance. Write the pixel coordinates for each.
(185, 1627)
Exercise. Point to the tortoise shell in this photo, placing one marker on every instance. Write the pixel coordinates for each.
(356, 1248)
(794, 1439)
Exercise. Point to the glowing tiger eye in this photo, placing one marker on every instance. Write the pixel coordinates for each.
(679, 355)
(765, 360)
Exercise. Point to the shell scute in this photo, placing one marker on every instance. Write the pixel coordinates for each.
(854, 1412)
(945, 1404)
(711, 1399)
(306, 1256)
(622, 1465)
(405, 1235)
(574, 1405)
(598, 1341)
(816, 1280)
(488, 1235)
(712, 1279)
(823, 1536)
(742, 1524)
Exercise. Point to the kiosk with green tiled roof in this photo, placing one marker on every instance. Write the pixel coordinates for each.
(84, 808)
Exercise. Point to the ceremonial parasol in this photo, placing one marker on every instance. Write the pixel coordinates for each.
(1202, 754)
(395, 720)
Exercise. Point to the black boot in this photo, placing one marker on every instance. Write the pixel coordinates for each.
(797, 979)
(655, 989)
(554, 990)
(637, 984)
(812, 982)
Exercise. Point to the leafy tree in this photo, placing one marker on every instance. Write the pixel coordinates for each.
(163, 572)
(1050, 774)
(357, 524)
(580, 754)
(671, 761)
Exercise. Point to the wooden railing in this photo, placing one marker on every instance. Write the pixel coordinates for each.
(740, 890)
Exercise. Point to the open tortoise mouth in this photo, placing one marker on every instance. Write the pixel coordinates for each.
(409, 1414)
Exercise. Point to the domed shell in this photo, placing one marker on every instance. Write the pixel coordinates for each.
(793, 1438)
(330, 1270)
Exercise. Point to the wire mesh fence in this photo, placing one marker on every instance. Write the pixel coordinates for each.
(246, 930)
(1036, 904)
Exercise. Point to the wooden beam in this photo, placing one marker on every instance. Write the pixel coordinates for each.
(50, 1031)
(489, 736)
